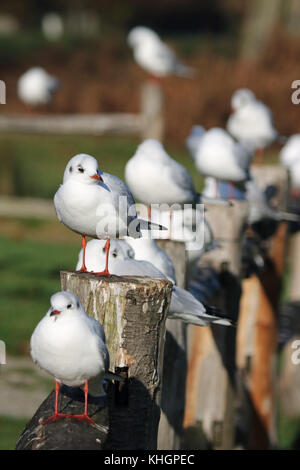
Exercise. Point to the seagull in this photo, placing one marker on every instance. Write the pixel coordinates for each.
(96, 204)
(155, 178)
(184, 306)
(153, 55)
(36, 87)
(290, 152)
(70, 346)
(220, 157)
(251, 121)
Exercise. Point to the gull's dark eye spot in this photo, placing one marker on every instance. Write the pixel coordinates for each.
(69, 306)
(80, 169)
(115, 254)
(70, 169)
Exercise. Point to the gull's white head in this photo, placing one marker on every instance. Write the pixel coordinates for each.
(141, 34)
(83, 168)
(241, 98)
(64, 303)
(152, 149)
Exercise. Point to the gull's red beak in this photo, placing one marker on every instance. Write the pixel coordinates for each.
(54, 312)
(97, 177)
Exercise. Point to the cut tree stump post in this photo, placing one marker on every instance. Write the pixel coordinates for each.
(257, 328)
(210, 390)
(170, 430)
(132, 311)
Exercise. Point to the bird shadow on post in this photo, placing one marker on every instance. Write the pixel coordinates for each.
(133, 312)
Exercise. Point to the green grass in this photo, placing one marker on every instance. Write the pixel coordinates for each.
(10, 430)
(34, 165)
(29, 275)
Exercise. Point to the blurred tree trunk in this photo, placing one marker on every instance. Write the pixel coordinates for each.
(260, 20)
(293, 16)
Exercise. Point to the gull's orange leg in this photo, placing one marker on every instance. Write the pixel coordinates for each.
(84, 416)
(83, 268)
(106, 272)
(56, 416)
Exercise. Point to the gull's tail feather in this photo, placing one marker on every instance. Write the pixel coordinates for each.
(221, 318)
(289, 216)
(147, 225)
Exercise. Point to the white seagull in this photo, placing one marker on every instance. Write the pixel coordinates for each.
(153, 55)
(184, 306)
(290, 152)
(220, 157)
(70, 346)
(96, 204)
(36, 87)
(155, 178)
(251, 121)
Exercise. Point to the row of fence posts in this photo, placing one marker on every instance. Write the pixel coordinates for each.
(184, 386)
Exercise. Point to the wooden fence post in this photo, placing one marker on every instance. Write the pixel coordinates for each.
(175, 359)
(133, 312)
(257, 328)
(210, 391)
(152, 110)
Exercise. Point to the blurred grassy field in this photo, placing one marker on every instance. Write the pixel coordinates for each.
(33, 165)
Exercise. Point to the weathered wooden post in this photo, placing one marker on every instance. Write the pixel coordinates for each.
(132, 312)
(152, 110)
(210, 391)
(257, 328)
(170, 430)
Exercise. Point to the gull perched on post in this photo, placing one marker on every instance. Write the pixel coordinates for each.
(97, 204)
(155, 178)
(251, 121)
(36, 87)
(153, 55)
(220, 157)
(70, 346)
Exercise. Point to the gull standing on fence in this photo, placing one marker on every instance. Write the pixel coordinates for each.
(70, 346)
(96, 204)
(36, 87)
(153, 55)
(155, 178)
(184, 306)
(251, 121)
(220, 157)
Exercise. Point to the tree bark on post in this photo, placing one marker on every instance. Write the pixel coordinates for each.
(175, 359)
(133, 313)
(210, 391)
